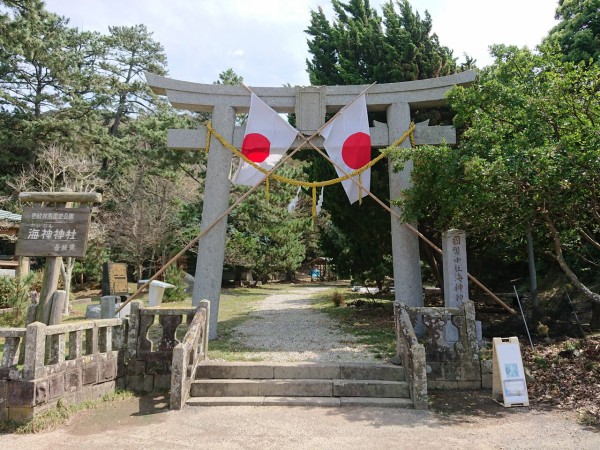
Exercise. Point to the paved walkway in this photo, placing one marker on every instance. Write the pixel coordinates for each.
(136, 424)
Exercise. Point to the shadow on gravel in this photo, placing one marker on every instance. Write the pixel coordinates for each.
(446, 408)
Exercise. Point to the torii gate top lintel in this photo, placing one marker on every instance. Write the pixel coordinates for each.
(204, 97)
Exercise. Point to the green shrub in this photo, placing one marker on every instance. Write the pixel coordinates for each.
(15, 293)
(175, 276)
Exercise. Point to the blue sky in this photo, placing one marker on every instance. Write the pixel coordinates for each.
(264, 40)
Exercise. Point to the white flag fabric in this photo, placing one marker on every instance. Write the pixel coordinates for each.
(294, 203)
(320, 202)
(348, 144)
(268, 136)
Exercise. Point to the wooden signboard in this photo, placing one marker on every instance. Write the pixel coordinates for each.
(509, 387)
(53, 232)
(114, 279)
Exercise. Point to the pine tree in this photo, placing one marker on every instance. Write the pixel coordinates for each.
(361, 47)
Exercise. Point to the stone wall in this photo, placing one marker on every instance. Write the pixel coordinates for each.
(449, 365)
(73, 362)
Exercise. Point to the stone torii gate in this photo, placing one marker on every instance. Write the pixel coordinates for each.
(310, 104)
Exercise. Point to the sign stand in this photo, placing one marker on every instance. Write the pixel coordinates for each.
(509, 387)
(53, 232)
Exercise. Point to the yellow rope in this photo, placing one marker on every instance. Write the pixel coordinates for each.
(309, 184)
(208, 135)
(360, 188)
(314, 203)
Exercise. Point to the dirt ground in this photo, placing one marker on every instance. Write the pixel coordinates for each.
(456, 420)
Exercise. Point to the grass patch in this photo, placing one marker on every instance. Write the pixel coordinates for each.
(58, 416)
(370, 321)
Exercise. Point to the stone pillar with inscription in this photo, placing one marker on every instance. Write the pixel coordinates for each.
(456, 277)
(456, 285)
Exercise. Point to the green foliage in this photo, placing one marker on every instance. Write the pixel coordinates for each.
(578, 31)
(15, 292)
(175, 276)
(265, 237)
(360, 46)
(529, 158)
(89, 269)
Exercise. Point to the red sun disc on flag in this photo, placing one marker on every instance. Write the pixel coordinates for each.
(256, 147)
(356, 151)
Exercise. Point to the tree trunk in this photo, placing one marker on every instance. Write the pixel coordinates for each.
(532, 277)
(558, 255)
(435, 267)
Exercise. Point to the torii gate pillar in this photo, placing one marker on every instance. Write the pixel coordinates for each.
(408, 285)
(310, 104)
(211, 251)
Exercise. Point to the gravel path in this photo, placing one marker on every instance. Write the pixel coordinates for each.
(285, 327)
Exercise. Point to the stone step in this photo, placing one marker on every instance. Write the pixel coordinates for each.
(298, 388)
(301, 401)
(331, 371)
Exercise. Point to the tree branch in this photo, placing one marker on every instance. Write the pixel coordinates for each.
(558, 255)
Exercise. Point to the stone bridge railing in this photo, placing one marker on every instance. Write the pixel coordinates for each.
(43, 363)
(187, 355)
(413, 356)
(150, 348)
(450, 353)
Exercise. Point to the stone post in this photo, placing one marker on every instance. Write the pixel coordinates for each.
(108, 305)
(456, 281)
(35, 346)
(211, 249)
(405, 244)
(59, 298)
(134, 328)
(205, 304)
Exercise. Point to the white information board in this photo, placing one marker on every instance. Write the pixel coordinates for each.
(509, 387)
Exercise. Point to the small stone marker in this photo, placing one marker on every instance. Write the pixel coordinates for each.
(92, 311)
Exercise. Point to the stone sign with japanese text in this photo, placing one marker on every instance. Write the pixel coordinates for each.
(456, 285)
(53, 232)
(114, 279)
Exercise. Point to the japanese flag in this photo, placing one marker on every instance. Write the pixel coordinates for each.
(348, 144)
(267, 138)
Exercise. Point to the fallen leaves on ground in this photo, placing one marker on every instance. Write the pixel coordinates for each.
(567, 374)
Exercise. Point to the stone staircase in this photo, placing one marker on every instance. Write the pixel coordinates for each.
(300, 384)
